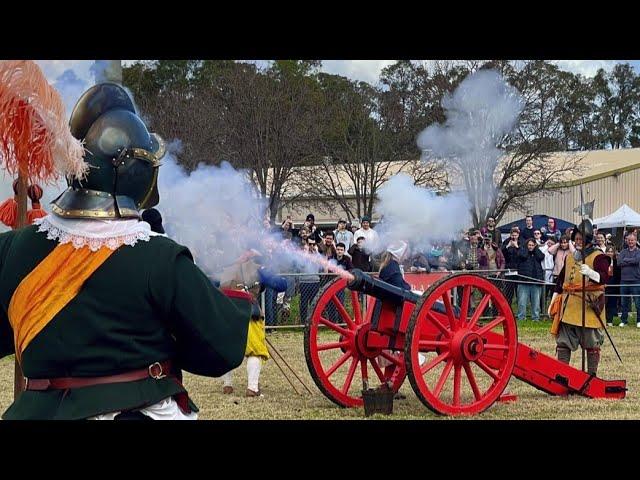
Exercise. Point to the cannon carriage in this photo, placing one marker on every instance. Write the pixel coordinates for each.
(457, 343)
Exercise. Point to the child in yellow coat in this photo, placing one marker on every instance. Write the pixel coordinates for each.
(256, 351)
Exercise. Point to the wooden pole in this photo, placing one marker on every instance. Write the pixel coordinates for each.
(21, 221)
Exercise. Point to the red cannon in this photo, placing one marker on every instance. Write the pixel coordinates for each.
(457, 343)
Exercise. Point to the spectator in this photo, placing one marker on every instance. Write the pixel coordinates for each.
(530, 268)
(601, 242)
(537, 236)
(612, 289)
(560, 251)
(490, 256)
(310, 281)
(434, 257)
(528, 230)
(287, 229)
(550, 229)
(368, 233)
(327, 247)
(355, 226)
(510, 250)
(472, 262)
(490, 230)
(463, 256)
(360, 258)
(342, 260)
(445, 262)
(342, 235)
(315, 232)
(418, 262)
(549, 262)
(284, 298)
(304, 235)
(629, 262)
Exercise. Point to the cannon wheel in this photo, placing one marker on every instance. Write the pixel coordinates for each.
(462, 343)
(326, 357)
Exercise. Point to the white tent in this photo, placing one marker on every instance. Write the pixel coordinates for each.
(623, 217)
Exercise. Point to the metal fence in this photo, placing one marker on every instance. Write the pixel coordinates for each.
(528, 297)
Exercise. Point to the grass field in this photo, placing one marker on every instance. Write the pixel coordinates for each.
(281, 402)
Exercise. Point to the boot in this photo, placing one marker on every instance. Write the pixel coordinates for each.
(593, 359)
(563, 354)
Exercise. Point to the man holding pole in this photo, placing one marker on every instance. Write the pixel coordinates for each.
(574, 326)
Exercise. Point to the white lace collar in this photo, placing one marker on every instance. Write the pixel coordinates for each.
(94, 233)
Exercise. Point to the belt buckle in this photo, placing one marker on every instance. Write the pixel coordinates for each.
(158, 375)
(26, 383)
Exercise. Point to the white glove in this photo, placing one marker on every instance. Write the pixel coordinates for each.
(589, 272)
(555, 294)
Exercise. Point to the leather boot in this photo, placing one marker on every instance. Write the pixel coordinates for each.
(593, 359)
(563, 354)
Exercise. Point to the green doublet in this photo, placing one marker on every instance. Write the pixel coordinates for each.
(146, 303)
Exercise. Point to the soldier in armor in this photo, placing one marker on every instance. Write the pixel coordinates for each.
(102, 312)
(566, 304)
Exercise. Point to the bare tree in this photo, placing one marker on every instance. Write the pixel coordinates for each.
(267, 118)
(361, 149)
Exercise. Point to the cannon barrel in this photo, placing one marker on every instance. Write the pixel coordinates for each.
(377, 288)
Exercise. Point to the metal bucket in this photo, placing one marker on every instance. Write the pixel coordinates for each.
(377, 401)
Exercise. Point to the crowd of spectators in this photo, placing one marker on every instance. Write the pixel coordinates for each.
(524, 261)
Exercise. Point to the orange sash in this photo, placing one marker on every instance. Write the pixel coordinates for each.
(556, 314)
(49, 288)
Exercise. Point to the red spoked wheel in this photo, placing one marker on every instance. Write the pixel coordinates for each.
(339, 361)
(448, 351)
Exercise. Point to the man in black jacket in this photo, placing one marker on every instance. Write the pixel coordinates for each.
(530, 270)
(359, 257)
(510, 249)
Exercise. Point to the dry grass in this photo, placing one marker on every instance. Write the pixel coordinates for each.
(281, 402)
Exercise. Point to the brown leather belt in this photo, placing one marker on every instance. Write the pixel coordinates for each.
(156, 370)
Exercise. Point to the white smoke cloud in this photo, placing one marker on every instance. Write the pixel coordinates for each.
(217, 213)
(481, 111)
(100, 70)
(417, 215)
(204, 210)
(70, 87)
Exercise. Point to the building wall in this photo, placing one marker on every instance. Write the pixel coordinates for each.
(325, 212)
(609, 194)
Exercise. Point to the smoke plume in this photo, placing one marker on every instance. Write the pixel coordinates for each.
(481, 111)
(218, 214)
(417, 215)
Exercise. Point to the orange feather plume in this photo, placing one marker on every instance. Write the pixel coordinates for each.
(35, 140)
